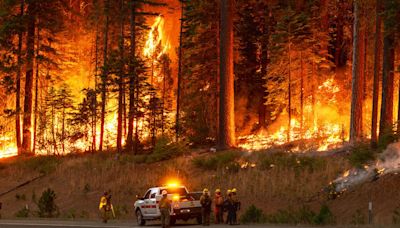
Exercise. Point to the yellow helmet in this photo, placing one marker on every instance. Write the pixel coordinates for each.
(234, 190)
(229, 191)
(217, 190)
(205, 190)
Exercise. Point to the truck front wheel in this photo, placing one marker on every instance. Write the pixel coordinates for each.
(140, 219)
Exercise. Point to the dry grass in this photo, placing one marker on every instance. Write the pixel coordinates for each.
(80, 180)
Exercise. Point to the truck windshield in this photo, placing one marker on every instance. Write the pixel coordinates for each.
(175, 191)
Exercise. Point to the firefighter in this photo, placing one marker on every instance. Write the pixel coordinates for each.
(205, 201)
(165, 209)
(103, 206)
(229, 207)
(236, 205)
(218, 210)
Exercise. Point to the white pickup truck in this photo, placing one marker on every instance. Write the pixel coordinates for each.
(184, 205)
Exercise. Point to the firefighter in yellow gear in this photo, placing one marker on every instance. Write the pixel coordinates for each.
(229, 207)
(236, 205)
(103, 207)
(165, 209)
(205, 201)
(218, 209)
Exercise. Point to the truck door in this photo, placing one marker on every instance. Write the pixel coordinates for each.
(146, 201)
(152, 206)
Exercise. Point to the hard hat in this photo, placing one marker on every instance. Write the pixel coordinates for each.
(205, 190)
(228, 192)
(234, 190)
(217, 190)
(164, 192)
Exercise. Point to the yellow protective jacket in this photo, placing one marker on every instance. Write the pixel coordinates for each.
(103, 202)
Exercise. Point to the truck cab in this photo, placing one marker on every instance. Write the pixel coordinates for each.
(184, 206)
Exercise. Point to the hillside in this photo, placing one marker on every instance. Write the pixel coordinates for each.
(269, 180)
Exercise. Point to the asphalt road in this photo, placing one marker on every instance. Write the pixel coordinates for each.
(114, 224)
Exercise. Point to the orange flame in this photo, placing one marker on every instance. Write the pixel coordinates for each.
(329, 130)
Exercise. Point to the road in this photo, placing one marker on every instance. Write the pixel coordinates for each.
(114, 224)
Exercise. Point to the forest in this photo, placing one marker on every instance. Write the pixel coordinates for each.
(124, 75)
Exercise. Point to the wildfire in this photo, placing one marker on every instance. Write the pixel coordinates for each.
(7, 147)
(324, 129)
(156, 43)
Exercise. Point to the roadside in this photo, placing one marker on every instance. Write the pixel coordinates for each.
(130, 224)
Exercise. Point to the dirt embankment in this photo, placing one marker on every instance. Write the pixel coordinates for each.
(272, 183)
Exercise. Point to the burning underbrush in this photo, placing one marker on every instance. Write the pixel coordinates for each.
(319, 125)
(388, 162)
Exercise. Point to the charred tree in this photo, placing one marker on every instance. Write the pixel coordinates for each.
(226, 136)
(178, 92)
(132, 79)
(104, 74)
(18, 83)
(377, 66)
(357, 77)
(386, 120)
(121, 83)
(30, 49)
(262, 112)
(35, 112)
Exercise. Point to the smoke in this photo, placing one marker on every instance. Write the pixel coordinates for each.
(388, 162)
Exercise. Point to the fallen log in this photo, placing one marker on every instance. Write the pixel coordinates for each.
(21, 185)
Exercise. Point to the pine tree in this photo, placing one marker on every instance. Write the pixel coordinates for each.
(226, 134)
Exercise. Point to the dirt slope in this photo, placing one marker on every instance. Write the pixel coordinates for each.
(80, 180)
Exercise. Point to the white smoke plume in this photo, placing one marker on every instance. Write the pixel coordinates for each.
(388, 162)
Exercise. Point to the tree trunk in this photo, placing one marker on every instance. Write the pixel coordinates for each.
(36, 89)
(377, 66)
(94, 110)
(386, 121)
(178, 93)
(226, 135)
(357, 78)
(132, 78)
(262, 112)
(63, 128)
(339, 36)
(18, 85)
(30, 48)
(289, 108)
(301, 94)
(121, 79)
(104, 74)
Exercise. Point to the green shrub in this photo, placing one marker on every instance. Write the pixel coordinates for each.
(47, 206)
(361, 155)
(220, 160)
(303, 215)
(282, 217)
(166, 149)
(253, 215)
(324, 217)
(23, 213)
(386, 138)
